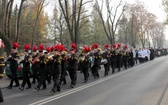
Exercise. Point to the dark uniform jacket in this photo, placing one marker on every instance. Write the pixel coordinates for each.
(13, 61)
(85, 63)
(57, 64)
(107, 56)
(64, 62)
(26, 64)
(73, 62)
(97, 58)
(42, 64)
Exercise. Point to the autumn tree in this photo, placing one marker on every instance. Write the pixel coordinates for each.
(72, 11)
(113, 16)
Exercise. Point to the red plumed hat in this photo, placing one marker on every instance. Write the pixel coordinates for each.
(106, 46)
(118, 45)
(35, 48)
(114, 45)
(27, 47)
(48, 49)
(15, 45)
(125, 47)
(58, 47)
(52, 48)
(96, 45)
(41, 47)
(73, 47)
(93, 46)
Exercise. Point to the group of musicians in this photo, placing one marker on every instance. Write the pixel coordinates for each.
(54, 63)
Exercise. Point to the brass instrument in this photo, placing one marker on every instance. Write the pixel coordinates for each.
(35, 60)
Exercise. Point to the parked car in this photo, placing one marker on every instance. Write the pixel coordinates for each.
(19, 70)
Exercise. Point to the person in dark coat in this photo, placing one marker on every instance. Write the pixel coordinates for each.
(113, 58)
(56, 73)
(107, 58)
(73, 65)
(35, 66)
(125, 56)
(97, 60)
(63, 67)
(13, 59)
(85, 62)
(118, 57)
(26, 68)
(42, 68)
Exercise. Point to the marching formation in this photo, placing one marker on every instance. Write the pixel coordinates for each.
(54, 63)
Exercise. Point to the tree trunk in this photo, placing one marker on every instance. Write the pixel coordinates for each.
(9, 19)
(18, 21)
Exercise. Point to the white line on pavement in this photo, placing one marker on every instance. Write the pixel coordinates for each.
(55, 97)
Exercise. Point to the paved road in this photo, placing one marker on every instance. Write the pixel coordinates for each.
(144, 84)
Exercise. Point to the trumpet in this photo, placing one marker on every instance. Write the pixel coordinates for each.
(50, 57)
(35, 60)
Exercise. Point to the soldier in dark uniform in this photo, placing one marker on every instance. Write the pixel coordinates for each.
(63, 67)
(118, 57)
(113, 58)
(125, 56)
(57, 69)
(73, 65)
(42, 68)
(85, 62)
(13, 59)
(2, 66)
(35, 65)
(97, 61)
(26, 68)
(49, 65)
(107, 56)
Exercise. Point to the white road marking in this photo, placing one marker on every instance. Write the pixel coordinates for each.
(55, 97)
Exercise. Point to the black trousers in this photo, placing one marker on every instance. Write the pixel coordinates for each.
(107, 69)
(14, 78)
(125, 62)
(73, 76)
(63, 77)
(56, 79)
(26, 80)
(42, 80)
(118, 64)
(35, 76)
(113, 64)
(95, 70)
(85, 73)
(1, 96)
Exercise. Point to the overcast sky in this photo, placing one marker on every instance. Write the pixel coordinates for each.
(153, 6)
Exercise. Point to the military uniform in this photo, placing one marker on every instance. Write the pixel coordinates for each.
(26, 72)
(85, 63)
(63, 69)
(118, 59)
(13, 67)
(56, 72)
(113, 61)
(96, 64)
(42, 72)
(72, 68)
(125, 56)
(35, 69)
(107, 56)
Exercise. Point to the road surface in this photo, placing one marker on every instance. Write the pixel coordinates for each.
(144, 84)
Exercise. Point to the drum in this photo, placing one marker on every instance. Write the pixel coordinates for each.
(103, 61)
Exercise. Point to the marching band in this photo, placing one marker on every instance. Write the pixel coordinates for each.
(54, 63)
